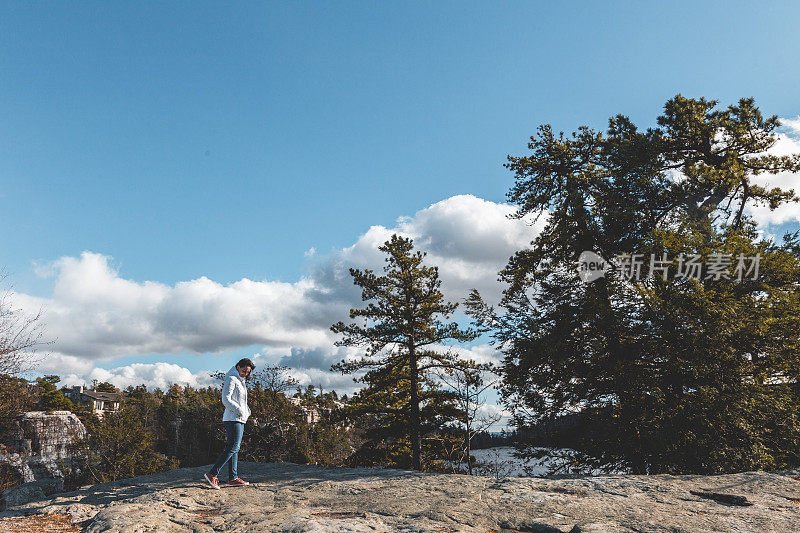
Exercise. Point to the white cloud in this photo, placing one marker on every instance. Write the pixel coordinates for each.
(343, 384)
(488, 410)
(471, 239)
(788, 142)
(152, 375)
(480, 353)
(96, 314)
(792, 125)
(61, 364)
(468, 238)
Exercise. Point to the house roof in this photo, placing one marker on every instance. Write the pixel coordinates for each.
(106, 396)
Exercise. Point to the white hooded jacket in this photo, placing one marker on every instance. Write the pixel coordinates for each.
(234, 398)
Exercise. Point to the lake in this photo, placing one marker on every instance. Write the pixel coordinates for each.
(500, 462)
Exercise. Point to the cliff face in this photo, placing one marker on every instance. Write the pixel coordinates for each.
(288, 497)
(47, 435)
(38, 444)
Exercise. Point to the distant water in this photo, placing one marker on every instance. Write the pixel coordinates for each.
(500, 462)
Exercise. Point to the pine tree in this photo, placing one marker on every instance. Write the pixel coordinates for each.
(406, 317)
(671, 373)
(50, 398)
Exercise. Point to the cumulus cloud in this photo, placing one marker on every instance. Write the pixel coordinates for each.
(313, 357)
(152, 375)
(489, 410)
(96, 314)
(325, 380)
(470, 239)
(788, 142)
(480, 353)
(62, 364)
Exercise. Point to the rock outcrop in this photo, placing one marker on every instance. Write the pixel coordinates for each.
(288, 497)
(47, 435)
(37, 448)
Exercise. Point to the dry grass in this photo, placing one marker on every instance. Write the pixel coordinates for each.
(39, 523)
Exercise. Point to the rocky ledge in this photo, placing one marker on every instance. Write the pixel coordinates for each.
(288, 497)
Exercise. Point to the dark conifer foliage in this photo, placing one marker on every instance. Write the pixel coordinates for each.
(405, 318)
(672, 373)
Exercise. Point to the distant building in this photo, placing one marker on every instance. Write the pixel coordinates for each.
(311, 414)
(99, 402)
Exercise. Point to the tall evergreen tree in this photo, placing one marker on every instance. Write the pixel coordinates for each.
(407, 315)
(50, 398)
(675, 372)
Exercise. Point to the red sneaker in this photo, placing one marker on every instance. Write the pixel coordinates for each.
(212, 480)
(238, 482)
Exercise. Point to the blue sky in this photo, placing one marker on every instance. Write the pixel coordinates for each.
(184, 140)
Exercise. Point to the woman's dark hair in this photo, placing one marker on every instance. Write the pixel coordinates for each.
(246, 362)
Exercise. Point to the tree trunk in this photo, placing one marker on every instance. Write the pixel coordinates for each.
(416, 440)
(469, 450)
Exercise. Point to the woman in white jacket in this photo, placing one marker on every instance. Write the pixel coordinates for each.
(234, 398)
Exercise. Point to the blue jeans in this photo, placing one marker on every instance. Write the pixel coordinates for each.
(230, 455)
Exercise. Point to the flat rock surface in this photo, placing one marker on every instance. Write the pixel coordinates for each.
(299, 498)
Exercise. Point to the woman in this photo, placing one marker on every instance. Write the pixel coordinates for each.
(234, 398)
